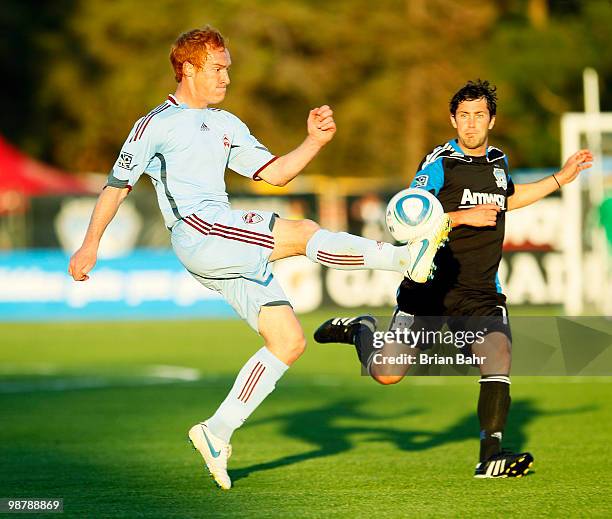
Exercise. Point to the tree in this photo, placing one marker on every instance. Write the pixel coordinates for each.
(85, 70)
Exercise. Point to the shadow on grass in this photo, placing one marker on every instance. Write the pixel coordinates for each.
(319, 427)
(522, 414)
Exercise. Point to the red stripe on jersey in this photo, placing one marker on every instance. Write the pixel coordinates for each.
(256, 174)
(142, 121)
(138, 128)
(172, 99)
(149, 120)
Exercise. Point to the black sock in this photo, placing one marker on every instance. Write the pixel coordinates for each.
(363, 339)
(493, 407)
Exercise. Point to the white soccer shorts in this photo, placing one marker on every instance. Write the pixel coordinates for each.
(228, 251)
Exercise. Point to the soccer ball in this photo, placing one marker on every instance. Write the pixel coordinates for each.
(411, 213)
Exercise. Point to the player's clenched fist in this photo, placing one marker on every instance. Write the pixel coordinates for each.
(321, 124)
(484, 215)
(81, 263)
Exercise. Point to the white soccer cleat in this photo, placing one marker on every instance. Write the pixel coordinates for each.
(214, 451)
(423, 249)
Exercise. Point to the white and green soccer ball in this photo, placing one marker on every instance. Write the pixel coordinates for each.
(412, 213)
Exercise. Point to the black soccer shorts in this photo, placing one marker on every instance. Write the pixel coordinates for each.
(475, 314)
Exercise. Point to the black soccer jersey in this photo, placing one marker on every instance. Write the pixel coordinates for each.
(471, 258)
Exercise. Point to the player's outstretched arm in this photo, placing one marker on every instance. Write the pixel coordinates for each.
(526, 194)
(84, 259)
(321, 129)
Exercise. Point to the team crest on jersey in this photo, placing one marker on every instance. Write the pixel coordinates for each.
(226, 142)
(420, 181)
(125, 160)
(252, 217)
(500, 178)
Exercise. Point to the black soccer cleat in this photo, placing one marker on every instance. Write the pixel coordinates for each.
(343, 329)
(505, 465)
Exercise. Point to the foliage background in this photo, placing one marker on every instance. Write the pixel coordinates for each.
(78, 73)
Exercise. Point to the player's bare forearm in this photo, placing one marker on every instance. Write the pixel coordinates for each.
(484, 215)
(84, 259)
(456, 218)
(106, 208)
(526, 194)
(286, 168)
(321, 129)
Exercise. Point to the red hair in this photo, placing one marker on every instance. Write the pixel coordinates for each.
(192, 47)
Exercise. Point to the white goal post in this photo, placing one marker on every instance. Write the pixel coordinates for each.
(580, 130)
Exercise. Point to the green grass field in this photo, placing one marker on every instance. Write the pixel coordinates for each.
(98, 413)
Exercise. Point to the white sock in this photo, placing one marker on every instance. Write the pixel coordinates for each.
(344, 251)
(254, 383)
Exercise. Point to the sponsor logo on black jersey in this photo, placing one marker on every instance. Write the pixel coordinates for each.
(500, 178)
(420, 181)
(470, 199)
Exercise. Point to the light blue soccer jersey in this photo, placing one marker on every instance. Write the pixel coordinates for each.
(185, 151)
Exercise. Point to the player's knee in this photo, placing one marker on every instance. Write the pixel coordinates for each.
(387, 380)
(298, 345)
(293, 345)
(502, 351)
(507, 351)
(497, 357)
(308, 228)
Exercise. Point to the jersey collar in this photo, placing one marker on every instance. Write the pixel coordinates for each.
(455, 145)
(492, 153)
(172, 100)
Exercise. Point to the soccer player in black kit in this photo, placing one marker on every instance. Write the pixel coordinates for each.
(472, 182)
